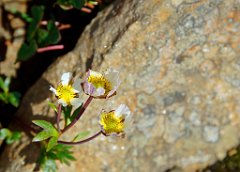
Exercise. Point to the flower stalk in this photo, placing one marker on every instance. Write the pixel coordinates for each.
(59, 116)
(82, 141)
(88, 101)
(68, 93)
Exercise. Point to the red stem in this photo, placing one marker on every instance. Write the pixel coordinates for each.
(58, 116)
(80, 142)
(88, 101)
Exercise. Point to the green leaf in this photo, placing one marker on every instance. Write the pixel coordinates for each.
(24, 16)
(7, 82)
(14, 98)
(44, 124)
(67, 112)
(64, 2)
(4, 97)
(58, 152)
(52, 142)
(37, 14)
(63, 153)
(75, 113)
(50, 36)
(2, 85)
(43, 135)
(49, 165)
(78, 4)
(48, 130)
(27, 50)
(14, 137)
(41, 37)
(53, 106)
(81, 136)
(75, 3)
(53, 35)
(9, 136)
(4, 133)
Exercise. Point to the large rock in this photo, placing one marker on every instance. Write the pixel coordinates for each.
(179, 62)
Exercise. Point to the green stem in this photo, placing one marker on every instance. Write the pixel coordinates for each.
(80, 142)
(88, 101)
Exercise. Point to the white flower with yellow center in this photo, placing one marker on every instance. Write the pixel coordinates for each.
(115, 122)
(67, 92)
(101, 85)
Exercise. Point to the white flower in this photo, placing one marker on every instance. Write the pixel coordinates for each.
(67, 92)
(115, 122)
(101, 85)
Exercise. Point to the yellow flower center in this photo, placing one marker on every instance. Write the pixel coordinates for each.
(100, 81)
(111, 123)
(66, 93)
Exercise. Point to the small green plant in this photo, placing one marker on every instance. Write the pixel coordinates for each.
(38, 35)
(9, 136)
(42, 35)
(6, 96)
(71, 107)
(47, 159)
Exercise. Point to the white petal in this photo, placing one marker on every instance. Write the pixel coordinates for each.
(53, 90)
(61, 101)
(122, 110)
(66, 77)
(128, 125)
(99, 92)
(88, 88)
(77, 85)
(76, 102)
(94, 73)
(112, 76)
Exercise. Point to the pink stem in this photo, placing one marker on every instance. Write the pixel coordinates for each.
(44, 22)
(86, 10)
(59, 116)
(88, 101)
(81, 142)
(50, 48)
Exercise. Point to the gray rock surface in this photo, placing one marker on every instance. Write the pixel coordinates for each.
(179, 62)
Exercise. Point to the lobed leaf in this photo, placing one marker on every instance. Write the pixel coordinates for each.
(43, 124)
(81, 136)
(49, 165)
(52, 142)
(43, 135)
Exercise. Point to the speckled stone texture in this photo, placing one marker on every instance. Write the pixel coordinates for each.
(179, 62)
